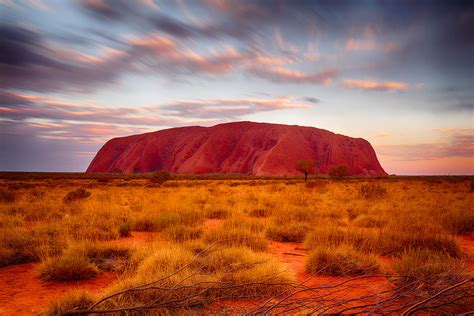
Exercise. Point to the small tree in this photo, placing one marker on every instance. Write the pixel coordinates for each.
(339, 171)
(307, 167)
(160, 177)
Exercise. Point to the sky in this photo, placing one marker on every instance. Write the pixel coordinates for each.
(400, 74)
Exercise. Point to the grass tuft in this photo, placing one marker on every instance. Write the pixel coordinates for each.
(76, 195)
(342, 260)
(74, 300)
(70, 266)
(293, 232)
(7, 196)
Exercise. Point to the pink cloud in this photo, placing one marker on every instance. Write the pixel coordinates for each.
(282, 74)
(374, 85)
(360, 44)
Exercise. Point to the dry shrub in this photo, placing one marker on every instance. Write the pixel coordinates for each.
(219, 273)
(76, 195)
(459, 221)
(182, 233)
(293, 232)
(408, 233)
(260, 212)
(393, 239)
(160, 177)
(253, 225)
(18, 245)
(106, 256)
(104, 180)
(369, 221)
(428, 267)
(91, 227)
(84, 260)
(72, 265)
(331, 235)
(217, 213)
(342, 260)
(284, 216)
(339, 171)
(372, 191)
(235, 237)
(74, 300)
(125, 229)
(156, 221)
(7, 196)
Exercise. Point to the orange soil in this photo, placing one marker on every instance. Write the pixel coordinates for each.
(22, 293)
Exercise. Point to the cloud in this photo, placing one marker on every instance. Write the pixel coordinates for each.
(457, 145)
(312, 100)
(29, 62)
(230, 108)
(374, 85)
(283, 74)
(360, 44)
(454, 129)
(55, 119)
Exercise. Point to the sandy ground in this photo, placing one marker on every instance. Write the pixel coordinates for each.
(22, 293)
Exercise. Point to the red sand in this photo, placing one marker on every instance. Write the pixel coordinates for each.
(22, 293)
(242, 147)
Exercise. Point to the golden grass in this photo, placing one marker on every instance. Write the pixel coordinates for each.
(339, 222)
(71, 265)
(77, 299)
(429, 267)
(342, 260)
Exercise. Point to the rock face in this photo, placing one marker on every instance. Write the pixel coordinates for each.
(243, 147)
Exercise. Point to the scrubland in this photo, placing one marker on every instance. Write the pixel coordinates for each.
(211, 243)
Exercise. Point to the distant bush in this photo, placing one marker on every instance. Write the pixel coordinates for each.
(217, 213)
(260, 212)
(235, 237)
(342, 260)
(125, 229)
(104, 180)
(7, 196)
(76, 195)
(339, 171)
(369, 221)
(157, 222)
(182, 233)
(372, 191)
(160, 177)
(293, 232)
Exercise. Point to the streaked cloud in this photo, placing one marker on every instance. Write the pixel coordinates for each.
(230, 108)
(55, 119)
(283, 74)
(458, 145)
(374, 85)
